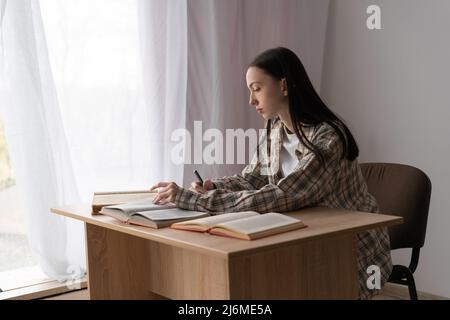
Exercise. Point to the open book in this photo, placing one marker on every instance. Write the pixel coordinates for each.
(146, 213)
(248, 225)
(102, 199)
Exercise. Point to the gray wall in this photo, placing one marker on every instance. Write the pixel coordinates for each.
(392, 88)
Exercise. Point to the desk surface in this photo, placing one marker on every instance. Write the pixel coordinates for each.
(321, 222)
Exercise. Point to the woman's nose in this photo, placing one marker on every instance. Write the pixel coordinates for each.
(252, 101)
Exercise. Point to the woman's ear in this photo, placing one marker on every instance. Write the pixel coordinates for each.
(284, 87)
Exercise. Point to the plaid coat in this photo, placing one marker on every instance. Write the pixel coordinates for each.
(339, 184)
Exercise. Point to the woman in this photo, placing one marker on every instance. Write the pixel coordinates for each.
(311, 155)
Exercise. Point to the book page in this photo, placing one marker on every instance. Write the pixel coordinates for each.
(169, 214)
(145, 205)
(213, 220)
(258, 223)
(120, 215)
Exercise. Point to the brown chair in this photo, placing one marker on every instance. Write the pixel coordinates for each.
(405, 191)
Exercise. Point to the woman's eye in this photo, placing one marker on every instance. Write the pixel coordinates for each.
(256, 89)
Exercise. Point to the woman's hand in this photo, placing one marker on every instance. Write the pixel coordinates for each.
(166, 193)
(197, 186)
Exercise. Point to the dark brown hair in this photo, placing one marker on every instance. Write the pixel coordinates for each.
(305, 105)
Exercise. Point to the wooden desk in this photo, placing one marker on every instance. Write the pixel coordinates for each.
(317, 262)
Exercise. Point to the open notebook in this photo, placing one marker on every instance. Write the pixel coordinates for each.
(248, 225)
(148, 214)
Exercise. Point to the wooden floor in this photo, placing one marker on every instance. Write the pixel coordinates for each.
(74, 295)
(398, 292)
(390, 292)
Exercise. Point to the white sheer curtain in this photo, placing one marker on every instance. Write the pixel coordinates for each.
(37, 141)
(163, 37)
(94, 89)
(94, 48)
(75, 115)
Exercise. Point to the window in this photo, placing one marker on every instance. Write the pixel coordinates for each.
(17, 265)
(93, 51)
(6, 177)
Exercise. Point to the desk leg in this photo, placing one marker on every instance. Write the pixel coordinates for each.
(117, 265)
(316, 269)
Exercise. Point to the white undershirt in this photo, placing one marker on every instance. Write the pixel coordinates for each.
(288, 158)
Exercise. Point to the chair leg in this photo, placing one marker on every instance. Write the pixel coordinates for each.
(411, 286)
(403, 275)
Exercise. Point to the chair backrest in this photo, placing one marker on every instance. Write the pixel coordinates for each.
(405, 191)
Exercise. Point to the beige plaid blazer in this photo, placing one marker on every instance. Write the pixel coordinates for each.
(339, 184)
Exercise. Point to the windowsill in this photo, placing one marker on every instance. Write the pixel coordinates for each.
(42, 290)
(22, 277)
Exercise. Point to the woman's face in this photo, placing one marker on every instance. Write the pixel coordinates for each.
(267, 94)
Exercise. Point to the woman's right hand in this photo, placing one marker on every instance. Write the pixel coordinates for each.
(197, 186)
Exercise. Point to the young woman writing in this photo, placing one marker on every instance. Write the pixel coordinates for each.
(311, 157)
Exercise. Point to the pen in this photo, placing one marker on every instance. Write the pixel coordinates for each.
(198, 177)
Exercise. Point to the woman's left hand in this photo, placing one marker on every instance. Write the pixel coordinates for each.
(166, 193)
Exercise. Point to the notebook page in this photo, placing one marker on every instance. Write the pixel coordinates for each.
(145, 205)
(175, 213)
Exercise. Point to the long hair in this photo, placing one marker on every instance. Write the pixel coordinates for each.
(305, 105)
